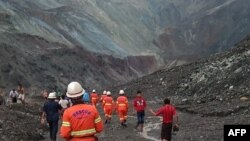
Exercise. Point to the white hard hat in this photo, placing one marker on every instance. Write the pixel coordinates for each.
(121, 92)
(104, 92)
(52, 95)
(108, 93)
(74, 90)
(93, 90)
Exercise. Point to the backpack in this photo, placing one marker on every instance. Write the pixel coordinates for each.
(86, 97)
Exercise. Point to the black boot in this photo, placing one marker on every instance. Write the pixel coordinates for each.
(124, 125)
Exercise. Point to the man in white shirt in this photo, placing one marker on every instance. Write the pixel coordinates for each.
(64, 103)
(13, 97)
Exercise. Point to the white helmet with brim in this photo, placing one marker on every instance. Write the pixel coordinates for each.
(74, 90)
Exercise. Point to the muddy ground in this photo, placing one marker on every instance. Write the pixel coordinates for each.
(23, 124)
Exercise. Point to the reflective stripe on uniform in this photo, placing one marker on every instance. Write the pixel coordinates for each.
(121, 104)
(64, 123)
(98, 119)
(107, 115)
(83, 132)
(108, 104)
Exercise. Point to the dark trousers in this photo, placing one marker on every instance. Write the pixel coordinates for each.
(14, 100)
(166, 131)
(140, 117)
(53, 128)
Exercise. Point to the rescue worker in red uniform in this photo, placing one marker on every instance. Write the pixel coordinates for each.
(104, 94)
(81, 121)
(94, 97)
(108, 107)
(122, 108)
(140, 105)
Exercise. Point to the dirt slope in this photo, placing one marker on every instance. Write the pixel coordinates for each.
(208, 94)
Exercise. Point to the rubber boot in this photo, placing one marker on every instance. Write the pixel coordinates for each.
(123, 124)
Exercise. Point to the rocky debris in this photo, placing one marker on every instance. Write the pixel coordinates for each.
(219, 80)
(21, 122)
(214, 87)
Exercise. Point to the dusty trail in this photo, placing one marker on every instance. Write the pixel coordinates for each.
(193, 127)
(151, 130)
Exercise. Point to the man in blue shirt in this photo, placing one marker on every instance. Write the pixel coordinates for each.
(86, 97)
(51, 110)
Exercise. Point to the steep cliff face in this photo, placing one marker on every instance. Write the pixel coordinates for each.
(133, 37)
(212, 26)
(106, 27)
(130, 27)
(38, 63)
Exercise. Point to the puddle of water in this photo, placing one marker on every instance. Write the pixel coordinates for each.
(148, 128)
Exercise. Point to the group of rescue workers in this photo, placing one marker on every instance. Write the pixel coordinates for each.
(81, 120)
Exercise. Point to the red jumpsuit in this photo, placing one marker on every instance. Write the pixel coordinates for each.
(102, 97)
(122, 108)
(94, 98)
(108, 106)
